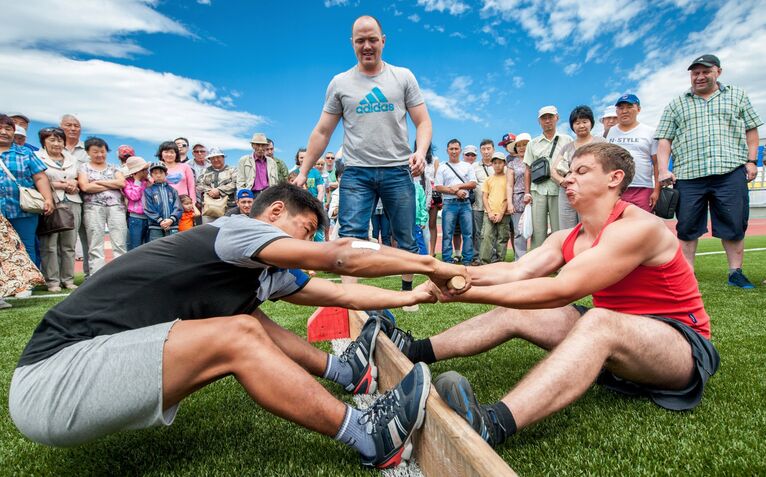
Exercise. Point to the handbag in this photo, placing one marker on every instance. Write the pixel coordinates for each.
(30, 199)
(471, 193)
(61, 220)
(667, 203)
(214, 208)
(541, 169)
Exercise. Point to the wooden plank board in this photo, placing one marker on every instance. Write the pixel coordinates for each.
(446, 444)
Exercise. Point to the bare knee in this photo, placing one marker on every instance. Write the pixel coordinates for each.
(598, 325)
(242, 333)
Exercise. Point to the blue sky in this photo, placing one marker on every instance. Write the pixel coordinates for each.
(140, 71)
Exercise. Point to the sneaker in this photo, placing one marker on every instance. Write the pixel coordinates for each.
(456, 260)
(458, 394)
(25, 294)
(4, 304)
(738, 279)
(395, 416)
(359, 355)
(401, 339)
(411, 308)
(54, 289)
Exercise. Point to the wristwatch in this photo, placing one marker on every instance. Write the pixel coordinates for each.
(754, 161)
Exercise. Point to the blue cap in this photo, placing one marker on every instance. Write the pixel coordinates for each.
(628, 98)
(245, 194)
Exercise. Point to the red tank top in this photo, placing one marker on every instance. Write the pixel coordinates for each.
(668, 290)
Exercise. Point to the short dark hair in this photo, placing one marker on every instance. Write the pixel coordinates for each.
(95, 142)
(183, 139)
(296, 199)
(453, 141)
(484, 142)
(581, 112)
(6, 120)
(270, 141)
(612, 157)
(168, 146)
(45, 133)
(298, 153)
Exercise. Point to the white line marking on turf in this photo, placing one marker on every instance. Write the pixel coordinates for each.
(702, 254)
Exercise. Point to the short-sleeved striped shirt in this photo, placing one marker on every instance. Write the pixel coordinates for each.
(23, 164)
(708, 136)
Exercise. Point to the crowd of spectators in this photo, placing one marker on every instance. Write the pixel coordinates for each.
(485, 197)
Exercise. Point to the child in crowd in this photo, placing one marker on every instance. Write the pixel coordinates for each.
(135, 171)
(161, 205)
(190, 212)
(495, 230)
(421, 217)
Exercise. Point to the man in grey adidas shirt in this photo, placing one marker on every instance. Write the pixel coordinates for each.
(374, 98)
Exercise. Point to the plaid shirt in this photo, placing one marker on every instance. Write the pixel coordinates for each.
(23, 164)
(708, 136)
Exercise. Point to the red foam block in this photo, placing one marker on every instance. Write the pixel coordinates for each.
(328, 323)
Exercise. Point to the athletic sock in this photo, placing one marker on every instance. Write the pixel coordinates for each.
(501, 420)
(338, 371)
(354, 434)
(406, 285)
(421, 351)
(732, 270)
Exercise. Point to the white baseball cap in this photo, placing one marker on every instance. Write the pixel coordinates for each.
(470, 149)
(609, 112)
(20, 131)
(546, 110)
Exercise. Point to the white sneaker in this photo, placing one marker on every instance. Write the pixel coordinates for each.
(411, 308)
(4, 304)
(24, 294)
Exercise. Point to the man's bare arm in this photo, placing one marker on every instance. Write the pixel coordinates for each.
(663, 161)
(318, 141)
(423, 134)
(622, 248)
(359, 258)
(320, 292)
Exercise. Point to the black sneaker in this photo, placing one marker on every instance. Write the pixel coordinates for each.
(394, 417)
(458, 394)
(401, 339)
(359, 355)
(738, 279)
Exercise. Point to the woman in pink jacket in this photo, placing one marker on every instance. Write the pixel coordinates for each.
(180, 175)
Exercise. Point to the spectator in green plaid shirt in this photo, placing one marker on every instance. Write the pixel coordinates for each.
(712, 131)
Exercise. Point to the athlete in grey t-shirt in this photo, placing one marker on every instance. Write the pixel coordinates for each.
(373, 98)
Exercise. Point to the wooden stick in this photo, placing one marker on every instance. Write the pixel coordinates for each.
(456, 283)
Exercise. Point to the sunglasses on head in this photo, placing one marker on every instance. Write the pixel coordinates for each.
(51, 130)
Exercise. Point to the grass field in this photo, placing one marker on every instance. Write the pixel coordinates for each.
(220, 431)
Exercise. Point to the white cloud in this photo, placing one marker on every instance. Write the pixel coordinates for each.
(735, 35)
(453, 7)
(205, 2)
(508, 65)
(109, 98)
(457, 34)
(572, 68)
(460, 101)
(96, 28)
(414, 18)
(335, 3)
(518, 82)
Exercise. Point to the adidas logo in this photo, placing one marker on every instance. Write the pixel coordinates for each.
(374, 102)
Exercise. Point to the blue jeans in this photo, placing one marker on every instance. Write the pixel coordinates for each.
(359, 192)
(138, 232)
(420, 240)
(381, 228)
(155, 234)
(26, 227)
(454, 212)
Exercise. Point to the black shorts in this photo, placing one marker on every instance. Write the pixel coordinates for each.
(706, 360)
(726, 196)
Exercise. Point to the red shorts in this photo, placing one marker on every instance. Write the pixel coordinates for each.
(638, 196)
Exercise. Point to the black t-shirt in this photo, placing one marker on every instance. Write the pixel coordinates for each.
(207, 271)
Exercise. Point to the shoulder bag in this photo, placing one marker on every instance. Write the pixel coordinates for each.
(541, 168)
(31, 200)
(471, 193)
(667, 203)
(61, 220)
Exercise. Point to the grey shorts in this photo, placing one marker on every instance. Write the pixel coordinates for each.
(706, 362)
(93, 388)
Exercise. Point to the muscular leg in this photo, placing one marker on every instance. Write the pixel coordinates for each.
(636, 348)
(689, 249)
(544, 328)
(296, 348)
(198, 352)
(735, 250)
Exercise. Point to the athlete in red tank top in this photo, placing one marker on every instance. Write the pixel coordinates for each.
(668, 290)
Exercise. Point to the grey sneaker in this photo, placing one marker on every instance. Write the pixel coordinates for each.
(458, 394)
(4, 304)
(359, 355)
(395, 416)
(401, 339)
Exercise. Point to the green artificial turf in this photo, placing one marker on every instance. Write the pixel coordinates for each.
(220, 431)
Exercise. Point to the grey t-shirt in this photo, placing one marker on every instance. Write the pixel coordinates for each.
(374, 111)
